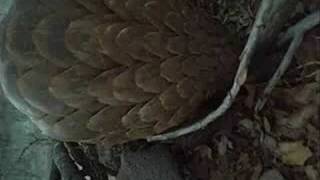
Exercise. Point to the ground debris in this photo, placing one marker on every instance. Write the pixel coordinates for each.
(294, 153)
(282, 141)
(272, 174)
(312, 173)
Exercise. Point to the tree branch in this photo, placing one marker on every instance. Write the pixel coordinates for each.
(267, 25)
(301, 27)
(296, 33)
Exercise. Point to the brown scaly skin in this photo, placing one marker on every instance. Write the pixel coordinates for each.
(112, 71)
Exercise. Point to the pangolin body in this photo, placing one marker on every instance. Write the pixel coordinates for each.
(112, 71)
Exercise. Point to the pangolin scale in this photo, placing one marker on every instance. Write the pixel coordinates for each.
(112, 71)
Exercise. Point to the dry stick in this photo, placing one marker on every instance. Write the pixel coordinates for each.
(301, 27)
(280, 71)
(265, 9)
(297, 34)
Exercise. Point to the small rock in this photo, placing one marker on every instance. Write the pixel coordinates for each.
(272, 174)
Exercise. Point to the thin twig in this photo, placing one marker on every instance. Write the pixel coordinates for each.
(301, 27)
(313, 74)
(308, 64)
(241, 76)
(297, 33)
(280, 71)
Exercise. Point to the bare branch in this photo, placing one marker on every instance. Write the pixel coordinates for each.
(301, 27)
(297, 33)
(267, 14)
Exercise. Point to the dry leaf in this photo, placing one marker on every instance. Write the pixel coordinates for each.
(256, 172)
(313, 133)
(204, 151)
(270, 143)
(294, 153)
(306, 93)
(247, 124)
(223, 145)
(201, 162)
(298, 108)
(266, 125)
(309, 49)
(300, 118)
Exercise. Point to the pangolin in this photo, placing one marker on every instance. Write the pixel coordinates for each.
(112, 71)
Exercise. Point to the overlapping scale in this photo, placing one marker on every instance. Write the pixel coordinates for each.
(125, 88)
(49, 39)
(112, 71)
